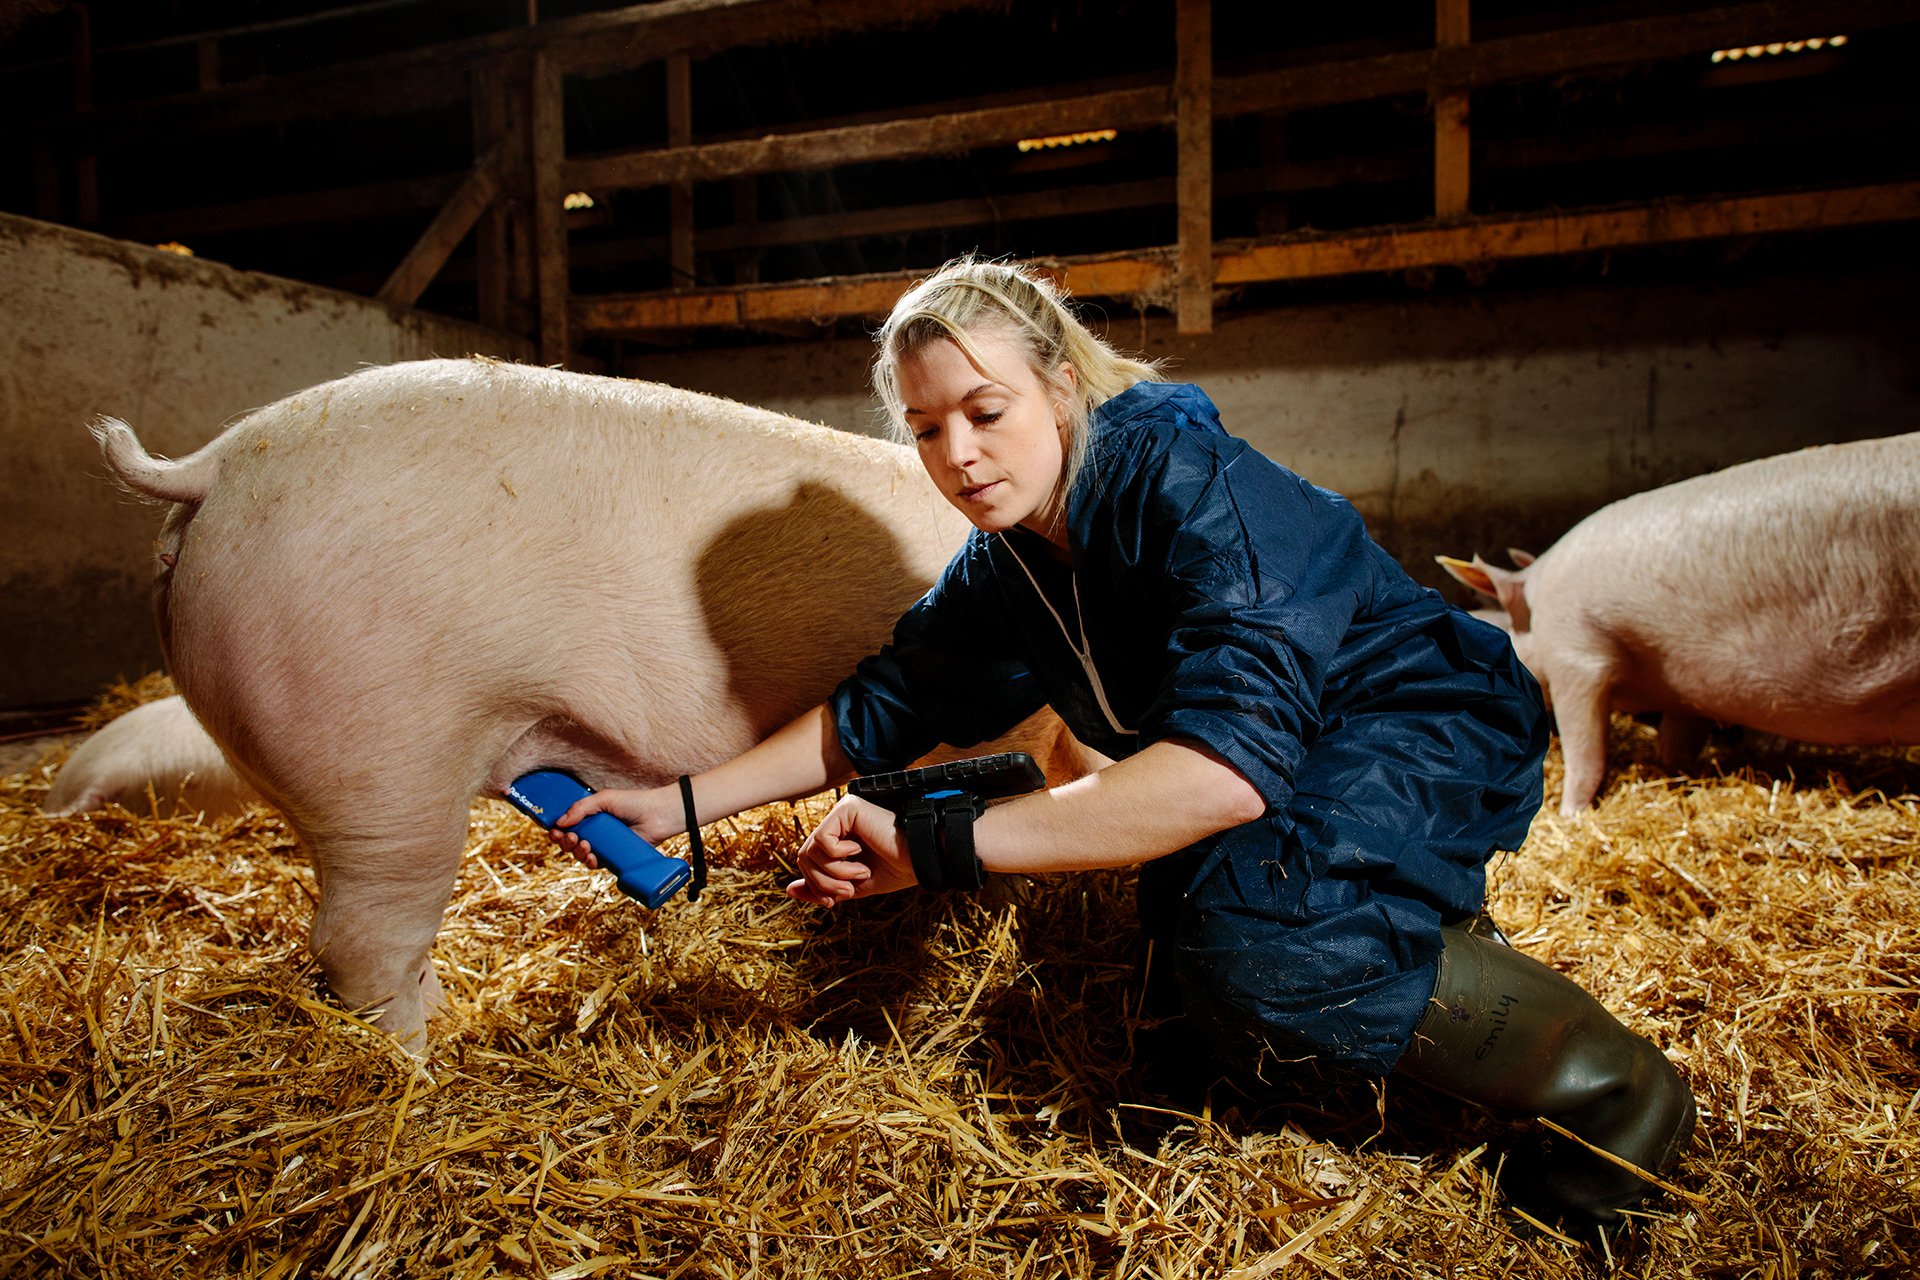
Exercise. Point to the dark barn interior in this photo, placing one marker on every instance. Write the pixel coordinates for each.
(1229, 155)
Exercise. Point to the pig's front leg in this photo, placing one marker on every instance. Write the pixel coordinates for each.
(1580, 713)
(1680, 740)
(382, 897)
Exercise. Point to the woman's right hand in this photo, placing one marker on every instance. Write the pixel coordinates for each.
(654, 813)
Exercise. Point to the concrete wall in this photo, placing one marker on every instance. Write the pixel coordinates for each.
(176, 347)
(1462, 424)
(1456, 424)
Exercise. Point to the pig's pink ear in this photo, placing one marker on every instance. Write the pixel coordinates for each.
(1508, 586)
(1521, 559)
(1475, 575)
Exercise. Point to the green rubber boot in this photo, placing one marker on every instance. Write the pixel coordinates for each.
(1507, 1033)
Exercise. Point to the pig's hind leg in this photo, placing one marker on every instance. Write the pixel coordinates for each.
(1680, 741)
(384, 888)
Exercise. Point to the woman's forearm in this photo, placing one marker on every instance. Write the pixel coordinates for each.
(1148, 805)
(801, 758)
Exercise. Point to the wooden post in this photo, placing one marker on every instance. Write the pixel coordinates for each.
(680, 194)
(490, 265)
(1193, 127)
(1450, 133)
(547, 121)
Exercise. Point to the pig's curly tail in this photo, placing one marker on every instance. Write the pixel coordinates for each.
(188, 480)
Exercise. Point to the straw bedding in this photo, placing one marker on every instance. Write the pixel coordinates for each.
(939, 1086)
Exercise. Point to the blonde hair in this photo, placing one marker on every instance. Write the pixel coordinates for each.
(968, 297)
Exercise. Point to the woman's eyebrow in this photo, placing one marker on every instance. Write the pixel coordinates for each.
(983, 387)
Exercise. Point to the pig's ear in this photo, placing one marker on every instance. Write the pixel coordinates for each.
(1474, 574)
(1521, 559)
(1508, 586)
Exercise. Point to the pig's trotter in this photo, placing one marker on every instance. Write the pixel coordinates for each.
(381, 902)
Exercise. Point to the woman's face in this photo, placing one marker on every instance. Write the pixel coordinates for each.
(992, 445)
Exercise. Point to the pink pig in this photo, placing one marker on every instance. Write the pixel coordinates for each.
(1781, 594)
(154, 755)
(398, 590)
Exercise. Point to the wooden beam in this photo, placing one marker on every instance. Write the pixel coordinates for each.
(680, 194)
(1149, 276)
(1435, 72)
(414, 195)
(1138, 276)
(1549, 235)
(745, 306)
(1541, 55)
(1062, 203)
(443, 235)
(951, 133)
(548, 126)
(1193, 132)
(1779, 129)
(620, 39)
(1450, 139)
(435, 76)
(822, 301)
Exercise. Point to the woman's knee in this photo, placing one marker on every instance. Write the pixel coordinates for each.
(1347, 996)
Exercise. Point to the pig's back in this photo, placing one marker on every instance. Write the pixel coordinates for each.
(445, 539)
(450, 448)
(1786, 584)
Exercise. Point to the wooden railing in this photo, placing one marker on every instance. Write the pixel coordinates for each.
(511, 200)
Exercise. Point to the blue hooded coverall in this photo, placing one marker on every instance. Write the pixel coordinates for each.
(1225, 601)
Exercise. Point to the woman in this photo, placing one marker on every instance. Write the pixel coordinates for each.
(1315, 757)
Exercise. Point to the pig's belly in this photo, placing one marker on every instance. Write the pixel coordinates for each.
(1880, 705)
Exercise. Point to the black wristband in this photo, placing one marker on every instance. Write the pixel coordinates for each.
(939, 834)
(699, 851)
(920, 825)
(957, 859)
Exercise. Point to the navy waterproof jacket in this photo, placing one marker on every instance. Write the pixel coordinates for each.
(1215, 597)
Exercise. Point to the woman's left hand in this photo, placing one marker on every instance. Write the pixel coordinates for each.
(855, 852)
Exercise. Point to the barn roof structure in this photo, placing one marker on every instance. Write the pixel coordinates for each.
(703, 171)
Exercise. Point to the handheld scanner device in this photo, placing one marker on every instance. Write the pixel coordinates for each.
(935, 807)
(642, 871)
(983, 777)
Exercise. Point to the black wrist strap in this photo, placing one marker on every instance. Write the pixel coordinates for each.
(699, 851)
(921, 827)
(939, 835)
(957, 857)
